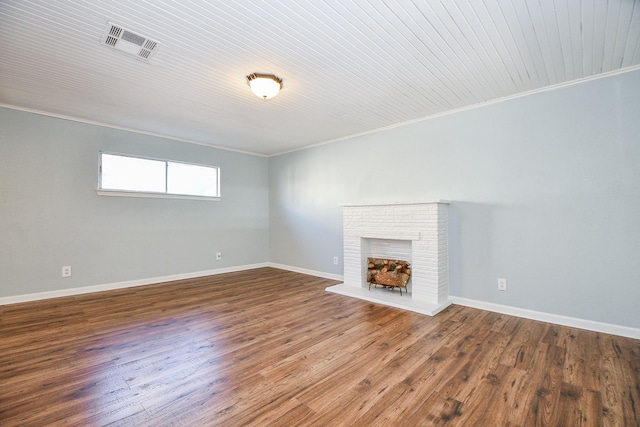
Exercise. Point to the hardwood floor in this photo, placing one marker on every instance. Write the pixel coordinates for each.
(270, 347)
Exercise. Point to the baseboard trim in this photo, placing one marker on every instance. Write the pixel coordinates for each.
(127, 284)
(573, 322)
(316, 273)
(590, 325)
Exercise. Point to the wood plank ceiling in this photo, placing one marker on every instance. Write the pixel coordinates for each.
(348, 67)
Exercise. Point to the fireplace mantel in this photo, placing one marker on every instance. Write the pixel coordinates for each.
(423, 227)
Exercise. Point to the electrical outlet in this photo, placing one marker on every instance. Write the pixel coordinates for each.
(218, 256)
(502, 284)
(335, 260)
(66, 271)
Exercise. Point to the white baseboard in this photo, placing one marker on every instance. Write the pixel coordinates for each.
(128, 284)
(322, 274)
(590, 325)
(573, 322)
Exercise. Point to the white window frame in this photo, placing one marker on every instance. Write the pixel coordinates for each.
(157, 195)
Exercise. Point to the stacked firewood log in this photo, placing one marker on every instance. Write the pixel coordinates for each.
(386, 272)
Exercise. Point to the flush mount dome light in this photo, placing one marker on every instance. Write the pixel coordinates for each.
(264, 85)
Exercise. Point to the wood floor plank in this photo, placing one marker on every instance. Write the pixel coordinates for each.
(271, 347)
(474, 411)
(591, 409)
(436, 410)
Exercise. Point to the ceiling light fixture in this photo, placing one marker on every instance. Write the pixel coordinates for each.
(264, 85)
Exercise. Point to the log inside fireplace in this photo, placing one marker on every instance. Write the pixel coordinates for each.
(389, 273)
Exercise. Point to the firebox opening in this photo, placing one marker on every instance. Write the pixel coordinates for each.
(389, 273)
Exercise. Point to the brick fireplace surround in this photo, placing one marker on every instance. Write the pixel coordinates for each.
(416, 232)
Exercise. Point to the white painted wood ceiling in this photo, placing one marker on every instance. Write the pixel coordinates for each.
(348, 67)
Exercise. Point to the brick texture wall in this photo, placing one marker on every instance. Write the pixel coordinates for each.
(424, 225)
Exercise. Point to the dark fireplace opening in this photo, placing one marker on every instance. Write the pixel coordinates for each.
(389, 273)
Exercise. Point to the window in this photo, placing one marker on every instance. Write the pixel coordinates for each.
(121, 175)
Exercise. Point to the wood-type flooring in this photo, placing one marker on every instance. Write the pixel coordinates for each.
(270, 347)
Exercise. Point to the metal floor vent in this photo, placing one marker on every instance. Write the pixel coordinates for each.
(127, 41)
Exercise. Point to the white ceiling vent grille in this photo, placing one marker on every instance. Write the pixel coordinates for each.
(129, 42)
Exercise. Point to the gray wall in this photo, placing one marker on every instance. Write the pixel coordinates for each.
(51, 216)
(545, 191)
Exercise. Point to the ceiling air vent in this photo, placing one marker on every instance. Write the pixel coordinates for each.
(129, 42)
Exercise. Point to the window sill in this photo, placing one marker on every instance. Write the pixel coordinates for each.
(118, 193)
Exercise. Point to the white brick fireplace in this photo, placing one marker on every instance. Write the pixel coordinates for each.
(416, 232)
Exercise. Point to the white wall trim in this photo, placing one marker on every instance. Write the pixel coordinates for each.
(382, 129)
(127, 129)
(149, 195)
(127, 284)
(573, 322)
(316, 273)
(467, 108)
(590, 325)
